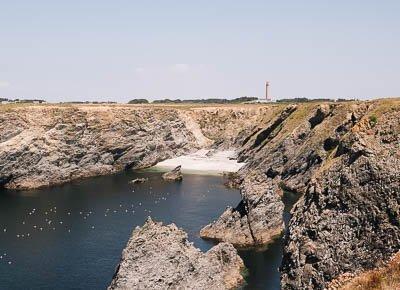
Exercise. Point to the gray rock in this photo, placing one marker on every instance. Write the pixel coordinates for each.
(138, 180)
(349, 218)
(48, 145)
(254, 222)
(45, 145)
(173, 175)
(160, 257)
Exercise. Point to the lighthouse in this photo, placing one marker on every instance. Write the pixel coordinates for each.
(267, 97)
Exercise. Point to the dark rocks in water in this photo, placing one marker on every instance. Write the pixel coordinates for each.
(174, 175)
(286, 153)
(232, 179)
(138, 180)
(160, 257)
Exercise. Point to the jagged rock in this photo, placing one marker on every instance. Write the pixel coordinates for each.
(48, 145)
(349, 218)
(138, 180)
(160, 257)
(174, 175)
(291, 150)
(321, 113)
(259, 216)
(345, 166)
(254, 222)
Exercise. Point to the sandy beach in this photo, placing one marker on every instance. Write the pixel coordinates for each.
(204, 162)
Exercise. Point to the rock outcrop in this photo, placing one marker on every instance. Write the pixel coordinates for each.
(349, 217)
(138, 180)
(341, 159)
(173, 175)
(282, 154)
(160, 257)
(344, 160)
(254, 222)
(45, 145)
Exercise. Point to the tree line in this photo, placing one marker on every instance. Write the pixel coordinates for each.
(196, 101)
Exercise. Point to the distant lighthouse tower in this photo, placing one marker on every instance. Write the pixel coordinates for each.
(267, 97)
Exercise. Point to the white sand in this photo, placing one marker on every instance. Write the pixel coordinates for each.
(198, 162)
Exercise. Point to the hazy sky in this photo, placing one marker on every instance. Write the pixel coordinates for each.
(118, 50)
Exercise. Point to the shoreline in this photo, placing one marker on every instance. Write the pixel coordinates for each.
(203, 161)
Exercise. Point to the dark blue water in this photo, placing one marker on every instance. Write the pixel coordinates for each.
(72, 236)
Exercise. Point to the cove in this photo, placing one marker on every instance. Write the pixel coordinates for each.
(72, 236)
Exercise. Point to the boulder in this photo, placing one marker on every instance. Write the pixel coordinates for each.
(160, 256)
(138, 180)
(173, 175)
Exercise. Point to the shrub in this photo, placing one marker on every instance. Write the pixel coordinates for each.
(138, 101)
(373, 120)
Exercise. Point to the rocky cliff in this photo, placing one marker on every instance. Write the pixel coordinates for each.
(47, 145)
(349, 217)
(160, 257)
(341, 159)
(282, 152)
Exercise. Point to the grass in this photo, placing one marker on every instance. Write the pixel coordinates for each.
(385, 278)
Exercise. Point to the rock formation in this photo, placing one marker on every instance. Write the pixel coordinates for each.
(173, 175)
(138, 180)
(344, 160)
(160, 257)
(341, 159)
(281, 155)
(231, 179)
(254, 222)
(349, 217)
(52, 144)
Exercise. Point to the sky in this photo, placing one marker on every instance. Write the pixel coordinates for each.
(119, 50)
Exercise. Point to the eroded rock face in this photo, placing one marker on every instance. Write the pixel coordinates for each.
(52, 144)
(173, 175)
(349, 218)
(254, 222)
(160, 257)
(342, 158)
(282, 155)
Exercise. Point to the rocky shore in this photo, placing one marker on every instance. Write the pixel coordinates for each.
(160, 257)
(53, 144)
(341, 159)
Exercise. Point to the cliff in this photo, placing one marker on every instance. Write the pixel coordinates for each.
(52, 144)
(341, 159)
(349, 217)
(282, 152)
